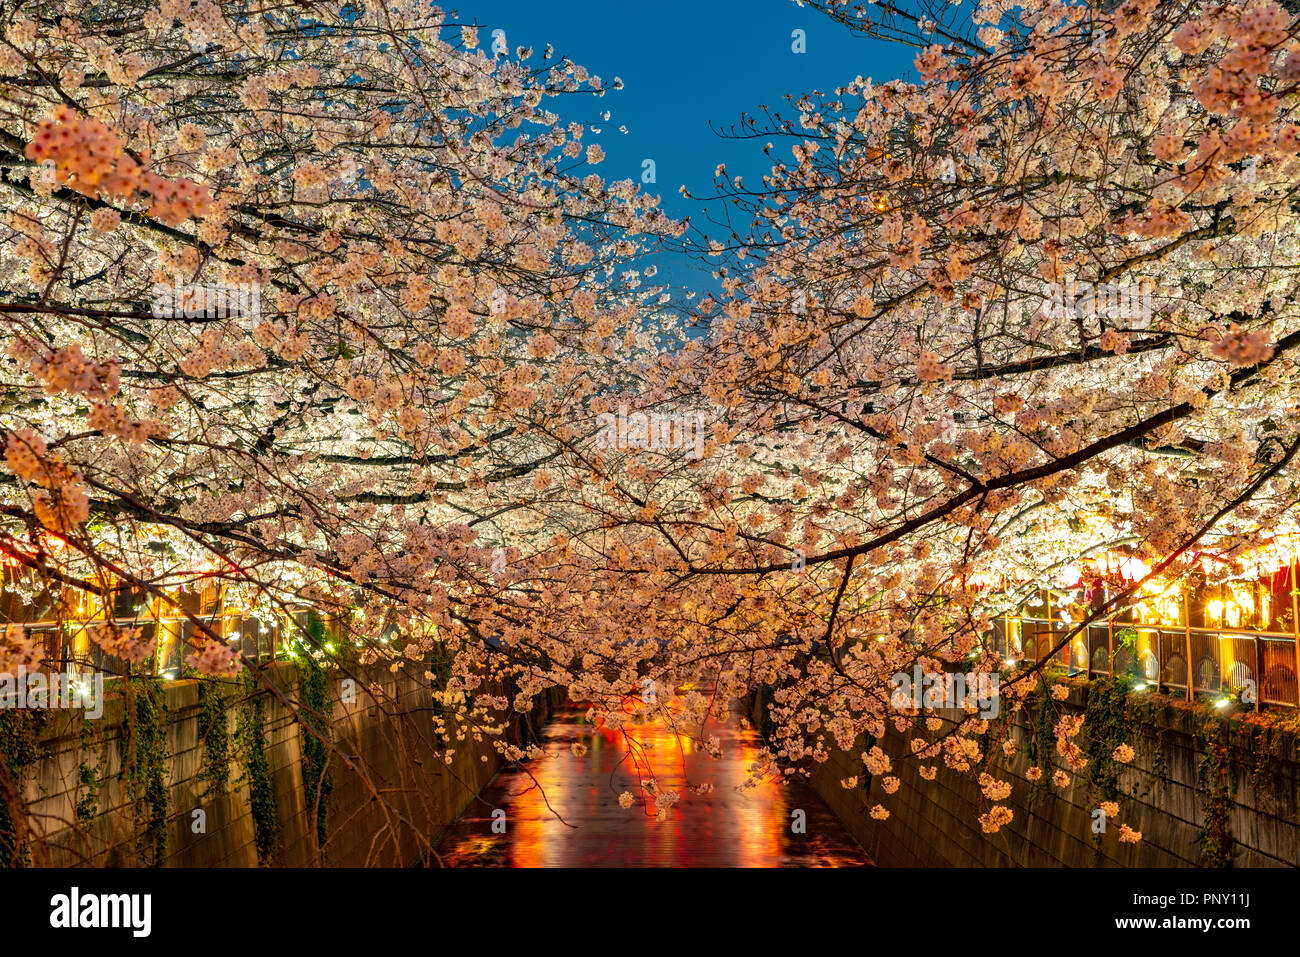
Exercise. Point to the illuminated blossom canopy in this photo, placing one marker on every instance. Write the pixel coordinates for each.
(1036, 305)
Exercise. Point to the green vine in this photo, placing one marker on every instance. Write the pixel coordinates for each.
(1126, 638)
(19, 730)
(1042, 740)
(1105, 727)
(1216, 778)
(214, 732)
(1148, 710)
(251, 734)
(440, 662)
(1159, 756)
(88, 782)
(316, 710)
(1267, 742)
(144, 762)
(87, 792)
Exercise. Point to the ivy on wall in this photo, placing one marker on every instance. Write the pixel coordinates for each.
(1112, 714)
(144, 766)
(1217, 780)
(88, 777)
(1105, 727)
(1149, 710)
(214, 733)
(87, 792)
(440, 662)
(1268, 737)
(251, 737)
(1042, 740)
(317, 710)
(19, 730)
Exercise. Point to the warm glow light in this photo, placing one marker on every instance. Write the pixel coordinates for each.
(1169, 612)
(50, 543)
(1245, 597)
(1134, 569)
(1233, 613)
(753, 825)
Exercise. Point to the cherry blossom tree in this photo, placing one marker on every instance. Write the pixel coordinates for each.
(1034, 305)
(311, 301)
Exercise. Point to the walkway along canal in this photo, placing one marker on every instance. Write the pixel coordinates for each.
(563, 810)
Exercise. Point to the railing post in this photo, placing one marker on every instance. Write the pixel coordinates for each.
(1259, 674)
(1160, 661)
(1110, 646)
(1295, 630)
(1187, 624)
(1051, 624)
(1087, 647)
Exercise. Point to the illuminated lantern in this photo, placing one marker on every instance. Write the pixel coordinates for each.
(1214, 611)
(1134, 569)
(1233, 614)
(1169, 612)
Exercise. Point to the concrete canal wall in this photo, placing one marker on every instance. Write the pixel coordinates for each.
(125, 789)
(1203, 791)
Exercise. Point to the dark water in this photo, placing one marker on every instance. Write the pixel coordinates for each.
(563, 810)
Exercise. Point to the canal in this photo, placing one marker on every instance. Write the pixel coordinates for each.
(564, 810)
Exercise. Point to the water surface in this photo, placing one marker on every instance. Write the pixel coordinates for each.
(563, 810)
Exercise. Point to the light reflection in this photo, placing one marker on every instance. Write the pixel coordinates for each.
(726, 826)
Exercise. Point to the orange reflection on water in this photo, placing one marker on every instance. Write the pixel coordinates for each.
(563, 810)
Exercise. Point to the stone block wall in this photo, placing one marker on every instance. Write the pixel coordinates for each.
(1167, 793)
(392, 794)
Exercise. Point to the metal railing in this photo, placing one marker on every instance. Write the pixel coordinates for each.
(67, 649)
(1223, 660)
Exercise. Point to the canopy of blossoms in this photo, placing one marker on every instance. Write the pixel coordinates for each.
(1038, 304)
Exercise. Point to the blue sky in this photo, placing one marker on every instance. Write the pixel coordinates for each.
(684, 65)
